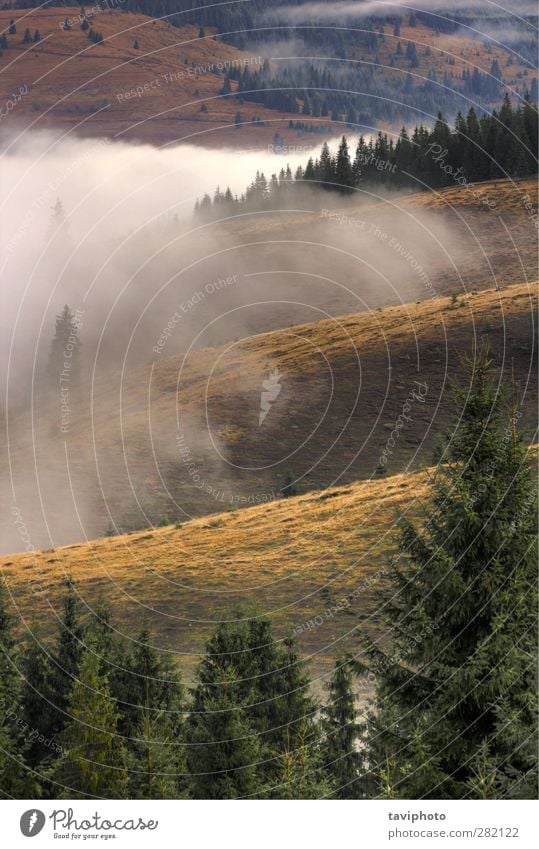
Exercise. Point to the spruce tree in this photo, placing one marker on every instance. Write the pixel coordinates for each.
(151, 702)
(157, 761)
(38, 702)
(93, 762)
(64, 356)
(14, 778)
(224, 751)
(344, 175)
(326, 166)
(456, 697)
(272, 685)
(66, 656)
(300, 773)
(341, 733)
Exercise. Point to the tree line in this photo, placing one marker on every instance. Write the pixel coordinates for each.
(503, 144)
(453, 667)
(364, 91)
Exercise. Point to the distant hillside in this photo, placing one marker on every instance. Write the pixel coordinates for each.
(147, 80)
(382, 71)
(184, 436)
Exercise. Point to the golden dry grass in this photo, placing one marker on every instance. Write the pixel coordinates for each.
(292, 559)
(70, 79)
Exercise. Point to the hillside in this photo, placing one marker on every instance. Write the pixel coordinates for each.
(182, 436)
(448, 53)
(450, 234)
(74, 83)
(151, 81)
(293, 559)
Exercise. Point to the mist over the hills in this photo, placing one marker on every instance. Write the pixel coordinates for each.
(150, 282)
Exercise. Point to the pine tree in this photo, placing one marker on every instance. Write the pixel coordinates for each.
(224, 752)
(289, 488)
(272, 685)
(64, 357)
(341, 733)
(326, 166)
(411, 54)
(12, 27)
(309, 173)
(14, 778)
(151, 704)
(157, 762)
(27, 38)
(93, 762)
(66, 656)
(37, 36)
(344, 175)
(300, 774)
(457, 685)
(38, 702)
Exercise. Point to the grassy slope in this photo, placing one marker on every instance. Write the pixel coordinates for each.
(466, 53)
(294, 557)
(69, 76)
(344, 383)
(466, 246)
(292, 560)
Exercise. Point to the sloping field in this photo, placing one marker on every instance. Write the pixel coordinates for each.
(73, 82)
(183, 437)
(291, 559)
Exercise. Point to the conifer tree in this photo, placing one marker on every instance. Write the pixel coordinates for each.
(341, 733)
(93, 762)
(151, 703)
(38, 702)
(66, 656)
(300, 774)
(344, 175)
(27, 38)
(14, 778)
(272, 685)
(456, 698)
(64, 356)
(157, 761)
(224, 752)
(12, 27)
(326, 168)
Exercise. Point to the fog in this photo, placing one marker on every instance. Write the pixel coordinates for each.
(148, 282)
(342, 10)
